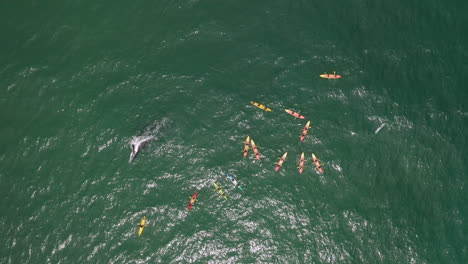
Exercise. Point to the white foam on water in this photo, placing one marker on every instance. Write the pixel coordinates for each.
(107, 144)
(337, 167)
(62, 245)
(87, 151)
(360, 91)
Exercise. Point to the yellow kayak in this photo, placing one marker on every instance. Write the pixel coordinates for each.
(261, 106)
(142, 225)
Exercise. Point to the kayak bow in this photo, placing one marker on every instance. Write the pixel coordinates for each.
(295, 114)
(261, 106)
(142, 225)
(246, 146)
(317, 163)
(220, 190)
(254, 147)
(304, 131)
(193, 199)
(280, 162)
(233, 180)
(301, 163)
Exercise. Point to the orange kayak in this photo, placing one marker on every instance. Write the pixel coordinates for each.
(330, 76)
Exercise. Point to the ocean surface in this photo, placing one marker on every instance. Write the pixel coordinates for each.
(79, 80)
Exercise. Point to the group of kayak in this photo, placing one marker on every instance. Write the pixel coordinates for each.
(194, 199)
(218, 189)
(250, 142)
(315, 160)
(267, 109)
(254, 147)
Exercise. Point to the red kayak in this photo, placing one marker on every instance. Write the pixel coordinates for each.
(193, 199)
(301, 163)
(254, 147)
(246, 146)
(280, 162)
(317, 163)
(295, 114)
(304, 131)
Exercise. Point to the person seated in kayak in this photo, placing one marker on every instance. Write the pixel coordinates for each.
(140, 225)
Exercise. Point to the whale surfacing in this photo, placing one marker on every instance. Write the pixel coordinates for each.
(137, 144)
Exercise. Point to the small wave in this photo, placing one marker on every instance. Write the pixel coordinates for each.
(62, 245)
(379, 128)
(105, 145)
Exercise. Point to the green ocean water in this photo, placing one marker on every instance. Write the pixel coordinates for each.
(79, 80)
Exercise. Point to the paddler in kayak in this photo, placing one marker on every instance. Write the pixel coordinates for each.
(255, 149)
(330, 76)
(220, 190)
(234, 181)
(142, 226)
(295, 114)
(301, 163)
(193, 199)
(261, 106)
(280, 162)
(317, 163)
(304, 131)
(246, 146)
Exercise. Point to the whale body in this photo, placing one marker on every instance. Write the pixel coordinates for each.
(137, 144)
